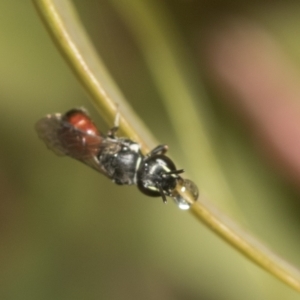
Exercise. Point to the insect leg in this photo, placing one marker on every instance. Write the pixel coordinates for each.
(111, 133)
(161, 191)
(160, 149)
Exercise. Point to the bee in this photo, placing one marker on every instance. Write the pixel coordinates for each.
(120, 159)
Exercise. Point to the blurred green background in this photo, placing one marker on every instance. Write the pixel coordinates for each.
(69, 233)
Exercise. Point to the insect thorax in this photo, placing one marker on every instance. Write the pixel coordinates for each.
(120, 159)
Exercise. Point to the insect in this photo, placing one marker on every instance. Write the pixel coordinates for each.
(74, 134)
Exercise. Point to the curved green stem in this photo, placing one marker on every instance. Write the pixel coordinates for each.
(69, 35)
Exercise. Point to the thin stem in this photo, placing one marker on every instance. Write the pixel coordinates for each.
(70, 37)
(181, 92)
(245, 243)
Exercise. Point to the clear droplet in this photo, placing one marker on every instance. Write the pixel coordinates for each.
(187, 190)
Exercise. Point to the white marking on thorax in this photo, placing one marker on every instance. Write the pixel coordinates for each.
(135, 147)
(137, 166)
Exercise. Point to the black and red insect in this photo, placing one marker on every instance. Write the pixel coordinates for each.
(120, 159)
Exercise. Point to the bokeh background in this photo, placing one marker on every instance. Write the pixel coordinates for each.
(67, 232)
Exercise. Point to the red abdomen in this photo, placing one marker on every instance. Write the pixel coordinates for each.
(82, 139)
(81, 121)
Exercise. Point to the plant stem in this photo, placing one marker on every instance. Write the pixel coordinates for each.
(70, 37)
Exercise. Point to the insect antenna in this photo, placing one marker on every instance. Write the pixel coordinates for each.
(172, 172)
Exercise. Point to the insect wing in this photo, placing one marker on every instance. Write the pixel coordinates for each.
(64, 139)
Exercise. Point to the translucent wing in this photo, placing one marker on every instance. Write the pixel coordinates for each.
(64, 138)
